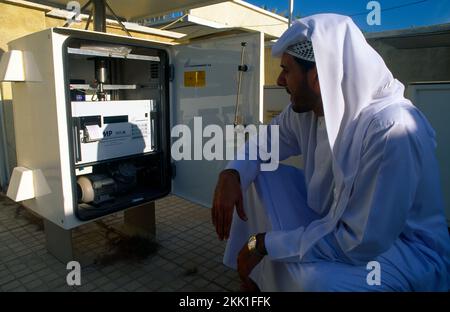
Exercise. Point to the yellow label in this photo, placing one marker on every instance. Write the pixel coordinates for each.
(195, 79)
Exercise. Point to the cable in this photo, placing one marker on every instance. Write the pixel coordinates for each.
(91, 13)
(393, 8)
(237, 120)
(174, 22)
(118, 19)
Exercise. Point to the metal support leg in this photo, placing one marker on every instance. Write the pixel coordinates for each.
(140, 220)
(58, 241)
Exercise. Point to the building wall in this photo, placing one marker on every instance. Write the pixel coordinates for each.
(271, 67)
(416, 65)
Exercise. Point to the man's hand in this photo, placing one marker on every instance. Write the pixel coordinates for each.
(246, 262)
(227, 195)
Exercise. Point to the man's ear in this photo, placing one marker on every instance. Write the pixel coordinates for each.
(313, 80)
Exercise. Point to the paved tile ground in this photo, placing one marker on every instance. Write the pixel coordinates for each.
(189, 257)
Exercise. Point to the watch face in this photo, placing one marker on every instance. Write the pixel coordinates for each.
(252, 243)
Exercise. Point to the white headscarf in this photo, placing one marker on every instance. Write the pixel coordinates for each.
(355, 84)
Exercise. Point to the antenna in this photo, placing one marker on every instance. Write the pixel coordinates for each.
(291, 10)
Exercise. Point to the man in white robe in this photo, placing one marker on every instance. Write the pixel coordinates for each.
(367, 211)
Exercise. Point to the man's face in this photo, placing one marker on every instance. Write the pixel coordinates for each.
(298, 83)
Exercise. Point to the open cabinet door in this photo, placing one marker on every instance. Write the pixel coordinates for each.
(205, 85)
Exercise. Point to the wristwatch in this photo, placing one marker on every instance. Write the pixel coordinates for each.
(253, 246)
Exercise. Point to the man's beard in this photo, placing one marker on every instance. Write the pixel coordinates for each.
(306, 102)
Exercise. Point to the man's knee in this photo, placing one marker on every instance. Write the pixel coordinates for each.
(311, 279)
(328, 276)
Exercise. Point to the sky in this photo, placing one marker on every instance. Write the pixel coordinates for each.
(395, 14)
